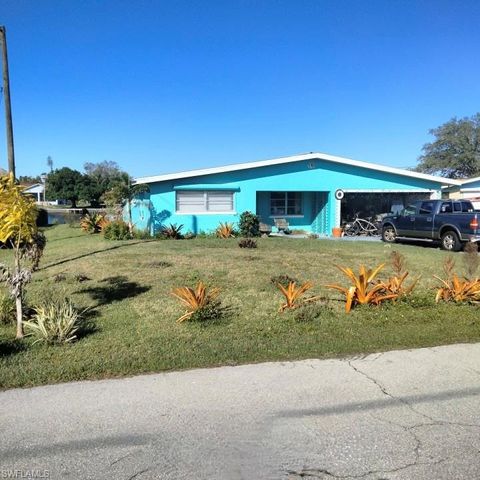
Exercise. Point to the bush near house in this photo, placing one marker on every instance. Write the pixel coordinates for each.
(249, 225)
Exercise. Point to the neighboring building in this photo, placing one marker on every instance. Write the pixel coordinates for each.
(313, 192)
(468, 188)
(37, 190)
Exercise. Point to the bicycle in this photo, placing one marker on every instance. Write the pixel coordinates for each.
(360, 226)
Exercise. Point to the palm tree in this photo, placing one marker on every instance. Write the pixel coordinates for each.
(123, 194)
(50, 163)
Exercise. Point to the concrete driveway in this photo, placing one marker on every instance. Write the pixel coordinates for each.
(398, 415)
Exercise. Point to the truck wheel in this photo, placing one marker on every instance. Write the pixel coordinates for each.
(388, 234)
(451, 242)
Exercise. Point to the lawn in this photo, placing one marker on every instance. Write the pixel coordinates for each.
(128, 292)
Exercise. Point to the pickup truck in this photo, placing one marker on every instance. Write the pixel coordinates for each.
(452, 222)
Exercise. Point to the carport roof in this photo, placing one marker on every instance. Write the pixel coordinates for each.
(297, 158)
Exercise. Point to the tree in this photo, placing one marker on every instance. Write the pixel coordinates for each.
(65, 184)
(50, 163)
(455, 153)
(29, 179)
(122, 194)
(102, 177)
(18, 227)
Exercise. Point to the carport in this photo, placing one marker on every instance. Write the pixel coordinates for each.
(370, 203)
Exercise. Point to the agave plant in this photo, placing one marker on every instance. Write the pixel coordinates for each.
(54, 322)
(93, 223)
(225, 230)
(172, 231)
(195, 299)
(294, 296)
(364, 290)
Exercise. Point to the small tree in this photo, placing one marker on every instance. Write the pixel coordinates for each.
(18, 227)
(123, 194)
(249, 225)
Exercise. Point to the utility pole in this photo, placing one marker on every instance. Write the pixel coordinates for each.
(8, 106)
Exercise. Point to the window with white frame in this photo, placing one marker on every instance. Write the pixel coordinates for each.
(285, 203)
(204, 201)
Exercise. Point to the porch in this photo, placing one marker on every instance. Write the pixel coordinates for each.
(302, 210)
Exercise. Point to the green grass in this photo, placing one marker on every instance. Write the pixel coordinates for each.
(134, 313)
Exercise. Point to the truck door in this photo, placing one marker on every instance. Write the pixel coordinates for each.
(405, 222)
(424, 220)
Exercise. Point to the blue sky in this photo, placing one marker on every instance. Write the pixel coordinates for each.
(161, 86)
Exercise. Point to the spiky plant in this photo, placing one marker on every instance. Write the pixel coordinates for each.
(54, 322)
(225, 230)
(295, 296)
(195, 299)
(93, 222)
(172, 231)
(364, 290)
(395, 283)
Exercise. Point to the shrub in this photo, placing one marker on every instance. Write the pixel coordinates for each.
(199, 301)
(283, 280)
(117, 230)
(294, 295)
(93, 222)
(249, 225)
(247, 243)
(363, 290)
(172, 231)
(225, 230)
(7, 309)
(54, 322)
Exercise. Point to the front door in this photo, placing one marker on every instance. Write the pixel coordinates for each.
(424, 220)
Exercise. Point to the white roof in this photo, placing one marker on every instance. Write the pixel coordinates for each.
(296, 158)
(464, 181)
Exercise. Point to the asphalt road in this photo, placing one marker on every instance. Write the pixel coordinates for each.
(398, 415)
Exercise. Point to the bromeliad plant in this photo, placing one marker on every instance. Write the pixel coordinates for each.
(93, 223)
(456, 289)
(172, 231)
(197, 300)
(364, 290)
(295, 296)
(396, 283)
(225, 230)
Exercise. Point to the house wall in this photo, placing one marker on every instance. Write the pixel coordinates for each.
(310, 176)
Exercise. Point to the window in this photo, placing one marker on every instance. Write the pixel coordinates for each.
(426, 208)
(410, 210)
(446, 207)
(457, 207)
(285, 203)
(192, 201)
(467, 207)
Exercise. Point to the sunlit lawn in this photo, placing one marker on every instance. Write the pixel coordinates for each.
(128, 293)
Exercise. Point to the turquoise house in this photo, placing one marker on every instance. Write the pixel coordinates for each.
(309, 191)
